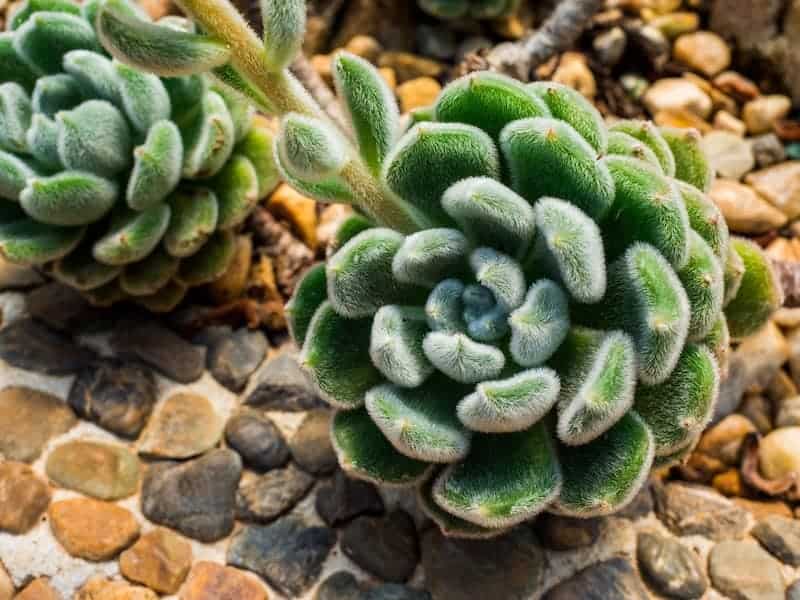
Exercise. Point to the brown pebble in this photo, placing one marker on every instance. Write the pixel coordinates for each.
(92, 529)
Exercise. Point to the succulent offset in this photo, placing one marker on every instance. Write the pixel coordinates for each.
(530, 310)
(117, 182)
(476, 9)
(554, 331)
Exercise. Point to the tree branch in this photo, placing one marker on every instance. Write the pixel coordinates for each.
(561, 30)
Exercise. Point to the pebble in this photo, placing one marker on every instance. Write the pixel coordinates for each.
(615, 579)
(781, 537)
(418, 93)
(234, 358)
(744, 209)
(724, 440)
(510, 567)
(343, 498)
(264, 498)
(28, 420)
(299, 210)
(780, 185)
(395, 591)
(311, 445)
(102, 471)
(779, 453)
(640, 506)
(257, 439)
(91, 529)
(472, 45)
(385, 546)
(788, 412)
(793, 591)
(117, 396)
(23, 497)
(743, 571)
(677, 94)
(729, 483)
(737, 85)
(725, 121)
(6, 585)
(289, 553)
(365, 46)
(695, 510)
(670, 567)
(62, 307)
(160, 559)
(729, 154)
(703, 51)
(677, 23)
(233, 283)
(207, 514)
(768, 150)
(14, 277)
(161, 349)
(759, 410)
(410, 66)
(342, 585)
(652, 43)
(99, 588)
(26, 344)
(761, 509)
(211, 581)
(282, 386)
(38, 589)
(610, 45)
(436, 42)
(567, 533)
(186, 425)
(761, 114)
(573, 71)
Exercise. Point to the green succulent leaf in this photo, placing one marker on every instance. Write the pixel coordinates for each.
(349, 228)
(706, 219)
(195, 212)
(370, 105)
(309, 294)
(144, 98)
(164, 300)
(147, 276)
(489, 101)
(364, 452)
(80, 270)
(625, 144)
(240, 109)
(54, 93)
(105, 295)
(570, 106)
(490, 214)
(759, 294)
(647, 133)
(185, 96)
(569, 249)
(310, 149)
(461, 358)
(703, 281)
(157, 166)
(333, 189)
(679, 456)
(360, 278)
(506, 478)
(68, 198)
(336, 355)
(24, 10)
(598, 370)
(567, 165)
(14, 175)
(428, 256)
(256, 146)
(45, 37)
(680, 407)
(420, 422)
(210, 262)
(132, 235)
(237, 191)
(444, 308)
(12, 68)
(208, 139)
(162, 50)
(718, 341)
(451, 525)
(647, 208)
(691, 164)
(95, 74)
(603, 476)
(540, 325)
(433, 156)
(284, 27)
(501, 275)
(510, 404)
(42, 142)
(15, 117)
(733, 273)
(29, 242)
(396, 345)
(94, 137)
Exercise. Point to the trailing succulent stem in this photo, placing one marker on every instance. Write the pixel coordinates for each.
(531, 310)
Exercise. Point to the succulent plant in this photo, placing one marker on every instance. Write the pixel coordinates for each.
(476, 9)
(117, 182)
(530, 309)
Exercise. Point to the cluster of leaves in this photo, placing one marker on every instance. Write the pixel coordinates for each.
(555, 328)
(118, 182)
(475, 9)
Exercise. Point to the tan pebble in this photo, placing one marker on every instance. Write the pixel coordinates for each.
(233, 282)
(410, 66)
(92, 529)
(682, 119)
(761, 114)
(301, 212)
(389, 76)
(780, 186)
(762, 509)
(737, 85)
(98, 588)
(724, 440)
(38, 589)
(782, 248)
(211, 581)
(677, 23)
(725, 121)
(787, 317)
(365, 46)
(418, 93)
(779, 453)
(323, 65)
(574, 71)
(24, 497)
(677, 93)
(744, 209)
(781, 385)
(160, 560)
(703, 51)
(6, 585)
(728, 483)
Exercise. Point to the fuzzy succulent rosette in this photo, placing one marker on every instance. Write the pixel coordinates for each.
(557, 325)
(474, 9)
(118, 182)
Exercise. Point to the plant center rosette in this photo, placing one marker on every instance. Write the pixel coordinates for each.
(556, 331)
